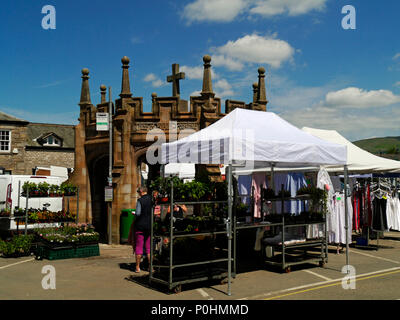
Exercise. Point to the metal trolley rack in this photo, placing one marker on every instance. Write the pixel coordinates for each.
(175, 283)
(286, 249)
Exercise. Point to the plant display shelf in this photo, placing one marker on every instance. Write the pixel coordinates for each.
(45, 251)
(210, 272)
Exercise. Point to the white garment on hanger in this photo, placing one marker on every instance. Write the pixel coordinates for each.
(397, 214)
(317, 230)
(337, 231)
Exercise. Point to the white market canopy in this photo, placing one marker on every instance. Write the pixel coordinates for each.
(257, 137)
(358, 160)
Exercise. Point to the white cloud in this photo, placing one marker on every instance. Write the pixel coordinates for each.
(213, 10)
(359, 98)
(223, 88)
(396, 56)
(229, 63)
(195, 94)
(196, 73)
(150, 77)
(268, 8)
(258, 49)
(155, 81)
(353, 126)
(397, 84)
(228, 10)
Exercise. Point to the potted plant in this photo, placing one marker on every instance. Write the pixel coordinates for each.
(43, 189)
(33, 189)
(19, 245)
(5, 212)
(68, 189)
(53, 190)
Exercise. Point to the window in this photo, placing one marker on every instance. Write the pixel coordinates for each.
(52, 141)
(5, 140)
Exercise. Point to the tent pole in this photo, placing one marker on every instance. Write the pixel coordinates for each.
(228, 226)
(273, 186)
(346, 216)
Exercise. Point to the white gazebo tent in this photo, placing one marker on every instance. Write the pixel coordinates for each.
(252, 139)
(358, 160)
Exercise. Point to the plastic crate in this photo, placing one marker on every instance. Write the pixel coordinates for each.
(44, 252)
(87, 251)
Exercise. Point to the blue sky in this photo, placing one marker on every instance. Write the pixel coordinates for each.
(318, 74)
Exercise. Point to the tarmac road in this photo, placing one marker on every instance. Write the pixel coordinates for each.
(110, 277)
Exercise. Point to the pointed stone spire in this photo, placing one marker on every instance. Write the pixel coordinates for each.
(207, 81)
(85, 92)
(126, 87)
(103, 92)
(262, 95)
(255, 92)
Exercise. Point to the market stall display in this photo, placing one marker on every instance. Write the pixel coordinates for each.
(254, 139)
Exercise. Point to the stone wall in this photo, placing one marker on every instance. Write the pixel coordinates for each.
(10, 160)
(47, 158)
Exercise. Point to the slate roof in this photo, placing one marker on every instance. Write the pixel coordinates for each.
(10, 118)
(37, 130)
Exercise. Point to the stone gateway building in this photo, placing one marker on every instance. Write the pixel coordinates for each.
(131, 126)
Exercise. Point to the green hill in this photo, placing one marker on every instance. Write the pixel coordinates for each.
(388, 147)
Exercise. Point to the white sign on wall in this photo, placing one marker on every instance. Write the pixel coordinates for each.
(102, 121)
(108, 194)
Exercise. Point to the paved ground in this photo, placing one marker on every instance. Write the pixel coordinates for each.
(110, 277)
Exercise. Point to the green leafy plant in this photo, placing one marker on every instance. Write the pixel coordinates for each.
(54, 190)
(17, 246)
(241, 209)
(68, 189)
(268, 193)
(43, 189)
(318, 198)
(5, 212)
(33, 189)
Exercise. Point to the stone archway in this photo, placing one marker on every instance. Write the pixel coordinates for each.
(153, 171)
(98, 173)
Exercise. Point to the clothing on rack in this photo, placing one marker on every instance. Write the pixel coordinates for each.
(323, 180)
(393, 213)
(337, 220)
(291, 182)
(358, 208)
(244, 188)
(258, 182)
(379, 218)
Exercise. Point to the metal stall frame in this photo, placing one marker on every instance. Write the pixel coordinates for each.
(176, 285)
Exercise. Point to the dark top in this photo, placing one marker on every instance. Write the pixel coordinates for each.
(143, 221)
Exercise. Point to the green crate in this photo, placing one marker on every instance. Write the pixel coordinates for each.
(44, 252)
(87, 251)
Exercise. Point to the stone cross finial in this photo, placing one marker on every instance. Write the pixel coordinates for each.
(255, 92)
(207, 81)
(126, 88)
(174, 78)
(261, 95)
(103, 92)
(85, 91)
